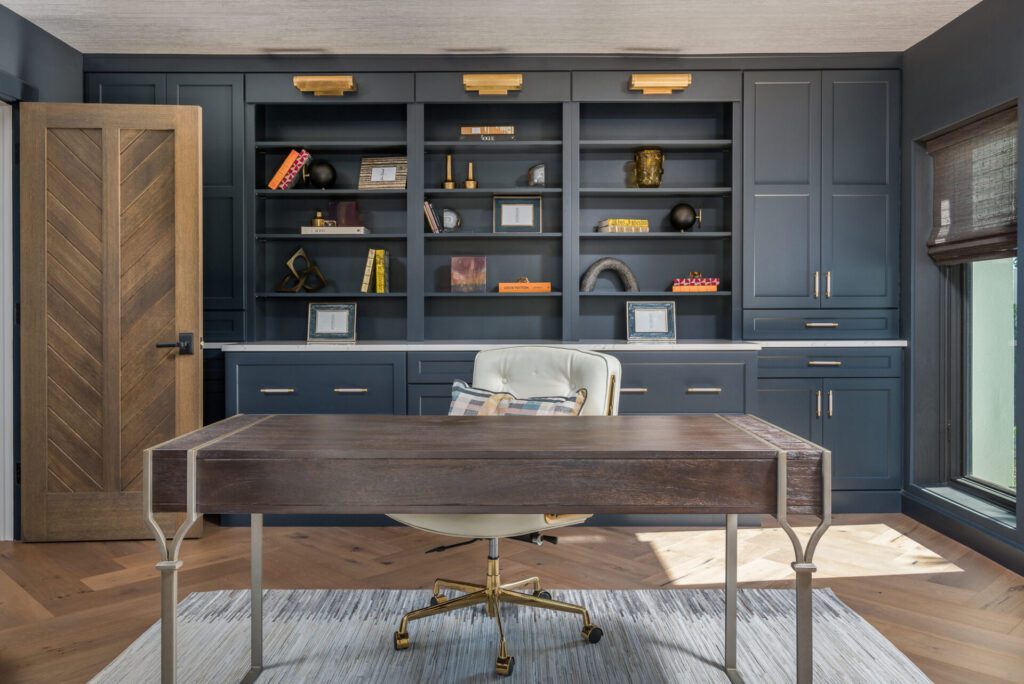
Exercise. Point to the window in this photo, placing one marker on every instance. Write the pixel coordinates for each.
(974, 240)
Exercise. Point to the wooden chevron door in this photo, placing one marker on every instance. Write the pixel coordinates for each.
(110, 269)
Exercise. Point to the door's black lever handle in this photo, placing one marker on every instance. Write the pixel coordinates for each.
(185, 344)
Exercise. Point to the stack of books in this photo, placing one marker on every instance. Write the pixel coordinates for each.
(433, 218)
(289, 169)
(335, 230)
(376, 276)
(487, 133)
(623, 225)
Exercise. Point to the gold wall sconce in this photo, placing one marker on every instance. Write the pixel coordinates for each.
(492, 84)
(659, 84)
(325, 85)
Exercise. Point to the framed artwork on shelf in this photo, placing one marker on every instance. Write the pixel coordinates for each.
(517, 214)
(332, 323)
(469, 274)
(383, 173)
(650, 322)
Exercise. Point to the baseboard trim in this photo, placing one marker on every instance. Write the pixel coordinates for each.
(235, 520)
(887, 501)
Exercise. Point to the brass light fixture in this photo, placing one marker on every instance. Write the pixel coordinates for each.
(492, 84)
(325, 85)
(659, 84)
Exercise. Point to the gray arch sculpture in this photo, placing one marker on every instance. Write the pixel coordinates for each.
(609, 264)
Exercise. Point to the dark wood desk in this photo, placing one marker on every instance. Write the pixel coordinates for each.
(410, 464)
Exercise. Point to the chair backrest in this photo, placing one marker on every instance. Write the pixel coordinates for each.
(537, 371)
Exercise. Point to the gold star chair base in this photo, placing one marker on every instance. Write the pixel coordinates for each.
(493, 594)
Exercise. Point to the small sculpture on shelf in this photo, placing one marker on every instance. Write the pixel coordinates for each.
(303, 274)
(683, 217)
(470, 183)
(649, 165)
(449, 182)
(535, 176)
(319, 174)
(617, 266)
(451, 221)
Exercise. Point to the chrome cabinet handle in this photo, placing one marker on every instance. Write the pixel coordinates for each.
(828, 324)
(633, 390)
(828, 284)
(703, 390)
(817, 413)
(834, 364)
(830, 403)
(351, 390)
(817, 284)
(277, 390)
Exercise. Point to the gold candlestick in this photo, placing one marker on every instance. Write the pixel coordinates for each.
(470, 181)
(449, 183)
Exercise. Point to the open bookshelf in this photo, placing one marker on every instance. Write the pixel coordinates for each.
(586, 149)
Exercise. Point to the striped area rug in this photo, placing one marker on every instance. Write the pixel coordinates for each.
(649, 636)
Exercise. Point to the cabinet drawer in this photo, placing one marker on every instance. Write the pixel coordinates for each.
(538, 86)
(310, 382)
(429, 400)
(820, 324)
(441, 367)
(837, 362)
(613, 86)
(654, 383)
(223, 326)
(370, 87)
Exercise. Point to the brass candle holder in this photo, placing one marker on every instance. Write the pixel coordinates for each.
(470, 183)
(449, 182)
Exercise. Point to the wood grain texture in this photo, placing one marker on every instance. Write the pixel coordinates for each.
(100, 183)
(67, 609)
(379, 464)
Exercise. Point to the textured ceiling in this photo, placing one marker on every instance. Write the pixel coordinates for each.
(685, 27)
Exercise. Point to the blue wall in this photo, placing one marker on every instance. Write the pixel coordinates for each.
(970, 66)
(50, 70)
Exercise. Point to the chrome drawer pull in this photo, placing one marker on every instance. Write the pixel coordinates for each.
(834, 364)
(703, 390)
(277, 390)
(351, 390)
(633, 390)
(829, 324)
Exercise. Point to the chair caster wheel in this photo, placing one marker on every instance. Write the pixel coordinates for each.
(504, 666)
(543, 593)
(592, 633)
(438, 599)
(401, 641)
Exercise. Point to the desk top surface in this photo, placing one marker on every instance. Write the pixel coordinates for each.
(364, 437)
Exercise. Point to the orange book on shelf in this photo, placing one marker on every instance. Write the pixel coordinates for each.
(523, 288)
(286, 165)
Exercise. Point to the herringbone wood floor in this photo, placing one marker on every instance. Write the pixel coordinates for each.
(68, 609)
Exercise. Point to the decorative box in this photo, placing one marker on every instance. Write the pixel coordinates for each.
(696, 282)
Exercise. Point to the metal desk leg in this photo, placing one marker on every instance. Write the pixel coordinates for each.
(731, 521)
(169, 564)
(803, 565)
(256, 599)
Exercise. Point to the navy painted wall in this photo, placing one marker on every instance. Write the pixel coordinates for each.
(970, 66)
(50, 69)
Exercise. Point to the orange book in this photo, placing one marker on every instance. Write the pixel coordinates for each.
(523, 288)
(286, 165)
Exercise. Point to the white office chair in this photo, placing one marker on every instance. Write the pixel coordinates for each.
(525, 372)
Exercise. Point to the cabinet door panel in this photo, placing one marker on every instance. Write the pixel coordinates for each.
(860, 189)
(784, 129)
(791, 403)
(429, 400)
(782, 251)
(863, 431)
(126, 88)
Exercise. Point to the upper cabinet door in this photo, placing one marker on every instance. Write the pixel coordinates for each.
(126, 88)
(860, 189)
(782, 189)
(221, 98)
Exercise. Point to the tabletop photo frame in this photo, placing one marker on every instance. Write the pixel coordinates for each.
(332, 323)
(650, 321)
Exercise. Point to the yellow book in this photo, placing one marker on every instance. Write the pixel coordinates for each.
(381, 282)
(368, 271)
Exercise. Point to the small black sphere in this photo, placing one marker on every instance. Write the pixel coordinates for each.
(682, 216)
(321, 174)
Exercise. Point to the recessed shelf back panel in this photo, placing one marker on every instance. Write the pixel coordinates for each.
(477, 215)
(504, 318)
(507, 261)
(331, 122)
(716, 212)
(376, 319)
(342, 264)
(612, 168)
(346, 167)
(604, 318)
(655, 120)
(655, 266)
(380, 214)
(497, 168)
(532, 121)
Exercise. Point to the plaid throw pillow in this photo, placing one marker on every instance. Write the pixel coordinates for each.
(472, 401)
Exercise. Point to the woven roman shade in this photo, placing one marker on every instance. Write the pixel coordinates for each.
(974, 197)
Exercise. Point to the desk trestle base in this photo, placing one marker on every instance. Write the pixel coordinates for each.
(493, 594)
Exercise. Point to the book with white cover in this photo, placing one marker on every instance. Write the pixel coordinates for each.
(335, 230)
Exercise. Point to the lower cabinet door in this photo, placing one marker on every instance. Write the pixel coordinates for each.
(429, 400)
(795, 404)
(862, 428)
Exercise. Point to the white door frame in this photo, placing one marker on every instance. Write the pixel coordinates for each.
(6, 322)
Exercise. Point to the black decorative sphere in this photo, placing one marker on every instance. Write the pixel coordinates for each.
(321, 174)
(682, 216)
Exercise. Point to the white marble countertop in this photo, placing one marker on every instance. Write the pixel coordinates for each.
(610, 345)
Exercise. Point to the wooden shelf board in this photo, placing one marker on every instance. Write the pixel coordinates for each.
(659, 235)
(671, 144)
(438, 192)
(518, 295)
(648, 293)
(327, 295)
(506, 145)
(333, 192)
(328, 145)
(657, 192)
(489, 236)
(299, 236)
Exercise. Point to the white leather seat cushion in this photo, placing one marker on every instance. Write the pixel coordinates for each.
(530, 371)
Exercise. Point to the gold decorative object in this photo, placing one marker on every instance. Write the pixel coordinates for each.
(323, 85)
(449, 182)
(308, 277)
(659, 84)
(649, 167)
(470, 181)
(492, 84)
